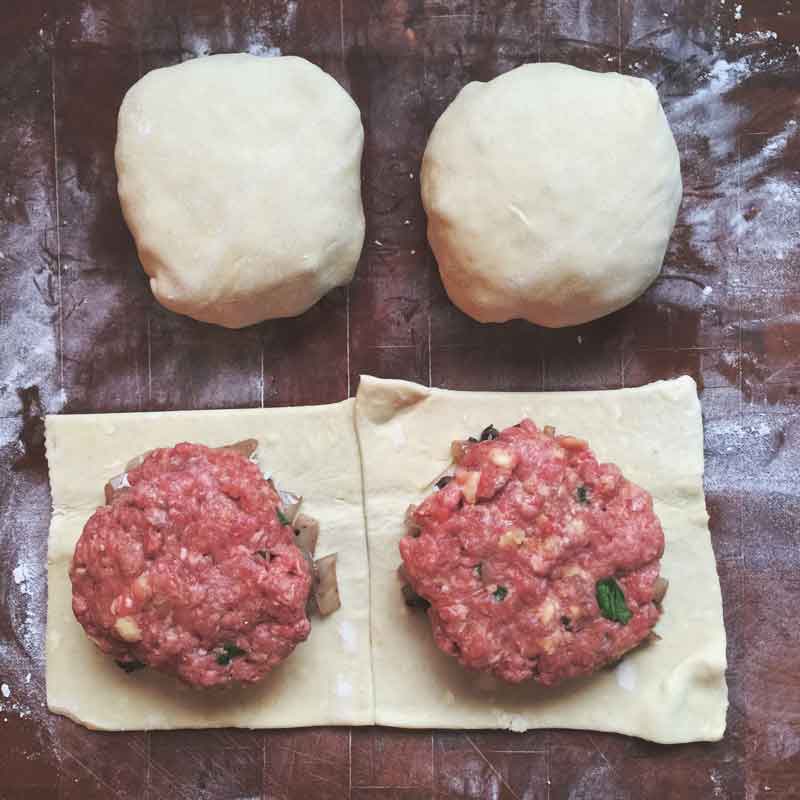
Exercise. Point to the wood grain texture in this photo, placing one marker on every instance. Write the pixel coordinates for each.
(79, 331)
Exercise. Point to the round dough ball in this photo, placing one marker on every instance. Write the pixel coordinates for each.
(240, 179)
(551, 193)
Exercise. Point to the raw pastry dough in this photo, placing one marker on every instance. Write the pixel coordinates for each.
(240, 179)
(310, 450)
(551, 193)
(673, 691)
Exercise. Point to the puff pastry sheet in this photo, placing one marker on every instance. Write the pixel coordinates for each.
(374, 660)
(310, 450)
(673, 691)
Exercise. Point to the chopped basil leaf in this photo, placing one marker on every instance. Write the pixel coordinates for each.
(477, 568)
(489, 433)
(443, 481)
(472, 439)
(500, 593)
(263, 553)
(282, 518)
(611, 600)
(130, 666)
(583, 494)
(229, 651)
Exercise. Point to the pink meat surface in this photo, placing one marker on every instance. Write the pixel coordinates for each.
(510, 551)
(192, 571)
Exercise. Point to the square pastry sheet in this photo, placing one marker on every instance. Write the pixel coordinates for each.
(673, 691)
(310, 450)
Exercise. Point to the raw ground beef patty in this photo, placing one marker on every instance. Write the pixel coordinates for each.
(192, 570)
(518, 551)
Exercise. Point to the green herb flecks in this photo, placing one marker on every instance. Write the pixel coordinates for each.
(130, 666)
(500, 593)
(282, 518)
(229, 651)
(611, 600)
(477, 569)
(582, 493)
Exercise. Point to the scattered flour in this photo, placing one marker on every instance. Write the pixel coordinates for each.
(626, 675)
(20, 578)
(349, 636)
(343, 687)
(5, 690)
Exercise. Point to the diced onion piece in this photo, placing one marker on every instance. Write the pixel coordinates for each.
(128, 629)
(469, 487)
(290, 503)
(137, 461)
(513, 536)
(115, 486)
(326, 589)
(306, 533)
(660, 589)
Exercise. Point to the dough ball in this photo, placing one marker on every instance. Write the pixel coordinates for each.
(240, 179)
(551, 193)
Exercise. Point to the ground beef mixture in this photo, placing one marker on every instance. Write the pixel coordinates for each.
(537, 561)
(193, 570)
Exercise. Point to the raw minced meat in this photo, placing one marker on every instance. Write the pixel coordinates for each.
(509, 553)
(192, 570)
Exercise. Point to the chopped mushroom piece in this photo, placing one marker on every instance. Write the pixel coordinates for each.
(306, 531)
(413, 600)
(326, 589)
(247, 447)
(412, 529)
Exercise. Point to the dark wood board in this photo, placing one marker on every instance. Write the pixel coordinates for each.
(80, 332)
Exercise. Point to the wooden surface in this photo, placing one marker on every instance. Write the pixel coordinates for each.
(79, 331)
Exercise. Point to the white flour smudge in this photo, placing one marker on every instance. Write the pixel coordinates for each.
(195, 46)
(626, 675)
(343, 687)
(5, 690)
(263, 51)
(20, 578)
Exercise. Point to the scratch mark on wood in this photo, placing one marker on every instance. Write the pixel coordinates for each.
(58, 225)
(88, 770)
(261, 386)
(602, 754)
(430, 350)
(341, 28)
(148, 760)
(491, 767)
(347, 337)
(149, 363)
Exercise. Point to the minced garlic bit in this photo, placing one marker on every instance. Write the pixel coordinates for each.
(500, 457)
(514, 536)
(469, 487)
(128, 629)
